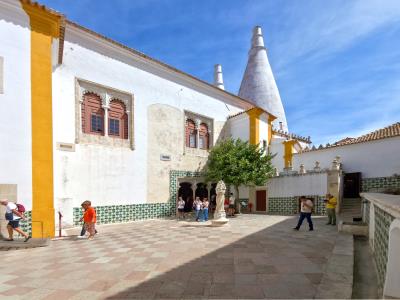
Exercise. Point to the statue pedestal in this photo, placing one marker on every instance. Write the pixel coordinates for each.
(219, 219)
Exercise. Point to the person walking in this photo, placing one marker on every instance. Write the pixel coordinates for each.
(205, 205)
(306, 206)
(331, 203)
(181, 208)
(13, 216)
(83, 230)
(89, 218)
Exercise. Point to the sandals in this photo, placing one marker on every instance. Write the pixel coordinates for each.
(9, 240)
(27, 239)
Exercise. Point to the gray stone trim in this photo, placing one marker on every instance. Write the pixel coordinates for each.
(337, 280)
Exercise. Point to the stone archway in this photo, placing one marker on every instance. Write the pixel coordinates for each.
(186, 192)
(201, 190)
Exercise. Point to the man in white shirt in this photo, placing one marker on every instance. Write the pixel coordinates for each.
(13, 216)
(306, 206)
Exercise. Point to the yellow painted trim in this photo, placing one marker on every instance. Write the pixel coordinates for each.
(254, 128)
(271, 118)
(44, 27)
(288, 156)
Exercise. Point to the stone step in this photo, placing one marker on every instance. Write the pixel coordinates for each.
(20, 244)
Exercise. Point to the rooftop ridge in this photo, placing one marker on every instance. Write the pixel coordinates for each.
(378, 134)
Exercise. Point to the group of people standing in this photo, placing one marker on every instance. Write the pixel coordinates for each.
(200, 206)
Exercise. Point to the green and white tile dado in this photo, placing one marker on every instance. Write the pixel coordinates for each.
(132, 212)
(381, 241)
(290, 205)
(380, 184)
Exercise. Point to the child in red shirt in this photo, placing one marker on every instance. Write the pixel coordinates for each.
(89, 218)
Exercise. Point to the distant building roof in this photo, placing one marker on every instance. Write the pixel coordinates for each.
(383, 133)
(291, 136)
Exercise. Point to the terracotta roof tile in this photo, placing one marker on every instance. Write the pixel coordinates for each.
(383, 133)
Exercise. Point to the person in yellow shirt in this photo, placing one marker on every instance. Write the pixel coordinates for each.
(331, 203)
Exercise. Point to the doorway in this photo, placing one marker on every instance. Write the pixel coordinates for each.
(351, 185)
(261, 200)
(186, 192)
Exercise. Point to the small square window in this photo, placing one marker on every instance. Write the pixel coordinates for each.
(113, 127)
(96, 123)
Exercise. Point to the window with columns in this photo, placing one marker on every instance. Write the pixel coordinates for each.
(103, 115)
(203, 136)
(191, 134)
(92, 114)
(117, 119)
(197, 131)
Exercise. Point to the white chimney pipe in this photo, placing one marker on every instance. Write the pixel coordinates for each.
(218, 79)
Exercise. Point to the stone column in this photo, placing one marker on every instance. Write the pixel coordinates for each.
(198, 122)
(105, 107)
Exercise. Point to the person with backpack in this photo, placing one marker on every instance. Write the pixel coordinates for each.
(14, 213)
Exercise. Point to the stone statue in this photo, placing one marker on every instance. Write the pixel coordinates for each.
(302, 169)
(219, 215)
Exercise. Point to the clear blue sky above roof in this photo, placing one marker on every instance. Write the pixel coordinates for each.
(336, 63)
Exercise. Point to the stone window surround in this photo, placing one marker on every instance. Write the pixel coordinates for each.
(107, 94)
(198, 119)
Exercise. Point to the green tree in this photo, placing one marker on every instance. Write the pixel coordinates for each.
(239, 163)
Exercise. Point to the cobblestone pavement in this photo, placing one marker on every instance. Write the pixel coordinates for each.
(254, 256)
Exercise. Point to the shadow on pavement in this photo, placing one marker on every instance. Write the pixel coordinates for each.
(275, 262)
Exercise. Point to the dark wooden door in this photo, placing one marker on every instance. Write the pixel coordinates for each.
(261, 200)
(351, 185)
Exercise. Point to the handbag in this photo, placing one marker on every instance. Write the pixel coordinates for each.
(9, 216)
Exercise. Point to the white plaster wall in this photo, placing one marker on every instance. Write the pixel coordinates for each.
(289, 186)
(239, 127)
(278, 149)
(15, 102)
(373, 159)
(103, 174)
(263, 128)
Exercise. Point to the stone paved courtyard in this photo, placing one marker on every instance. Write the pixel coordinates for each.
(255, 256)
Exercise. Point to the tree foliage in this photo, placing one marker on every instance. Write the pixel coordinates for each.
(239, 163)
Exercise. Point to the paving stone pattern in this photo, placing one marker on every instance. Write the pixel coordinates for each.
(254, 256)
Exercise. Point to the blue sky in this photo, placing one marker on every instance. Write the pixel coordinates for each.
(336, 63)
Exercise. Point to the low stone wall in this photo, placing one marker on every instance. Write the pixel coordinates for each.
(380, 184)
(290, 205)
(379, 211)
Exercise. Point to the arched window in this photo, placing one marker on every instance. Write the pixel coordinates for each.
(117, 120)
(203, 136)
(191, 134)
(92, 114)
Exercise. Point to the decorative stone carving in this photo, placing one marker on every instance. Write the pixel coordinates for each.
(335, 165)
(302, 169)
(317, 167)
(220, 215)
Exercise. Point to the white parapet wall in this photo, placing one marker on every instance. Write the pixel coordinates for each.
(296, 185)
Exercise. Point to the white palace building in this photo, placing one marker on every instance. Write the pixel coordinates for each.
(87, 118)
